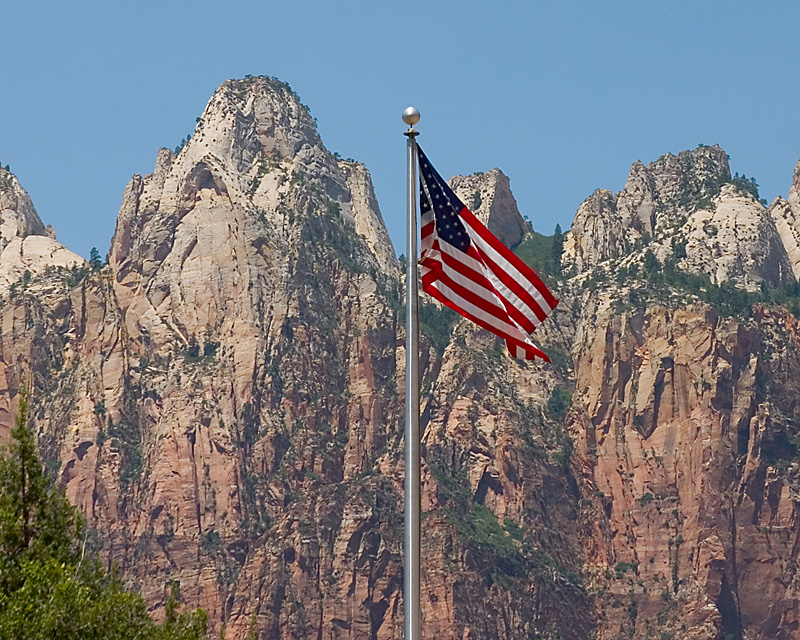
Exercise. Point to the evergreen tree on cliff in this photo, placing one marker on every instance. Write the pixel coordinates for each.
(50, 585)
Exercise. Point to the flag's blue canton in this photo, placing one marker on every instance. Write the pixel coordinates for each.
(446, 206)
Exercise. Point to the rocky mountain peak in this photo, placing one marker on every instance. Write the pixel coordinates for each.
(786, 215)
(655, 194)
(488, 195)
(685, 208)
(598, 232)
(687, 180)
(18, 216)
(250, 119)
(253, 173)
(735, 239)
(26, 245)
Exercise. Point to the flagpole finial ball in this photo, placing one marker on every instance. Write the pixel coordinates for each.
(411, 116)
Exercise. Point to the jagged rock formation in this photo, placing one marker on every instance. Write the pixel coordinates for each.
(26, 245)
(736, 241)
(786, 214)
(488, 195)
(223, 403)
(597, 232)
(685, 422)
(684, 442)
(223, 400)
(689, 199)
(19, 217)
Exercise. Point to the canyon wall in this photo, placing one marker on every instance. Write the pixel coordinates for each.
(224, 399)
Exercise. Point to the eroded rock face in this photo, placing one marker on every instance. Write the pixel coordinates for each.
(681, 437)
(597, 232)
(25, 244)
(686, 210)
(488, 195)
(224, 403)
(786, 214)
(366, 215)
(215, 399)
(736, 241)
(685, 416)
(18, 215)
(266, 321)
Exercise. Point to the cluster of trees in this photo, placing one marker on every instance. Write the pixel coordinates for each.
(743, 183)
(725, 297)
(543, 253)
(183, 143)
(95, 262)
(51, 584)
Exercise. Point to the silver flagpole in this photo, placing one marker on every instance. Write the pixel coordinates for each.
(411, 574)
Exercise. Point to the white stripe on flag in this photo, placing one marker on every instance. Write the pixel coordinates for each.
(509, 268)
(504, 292)
(504, 329)
(473, 287)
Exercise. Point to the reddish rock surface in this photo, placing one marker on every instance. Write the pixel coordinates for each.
(223, 401)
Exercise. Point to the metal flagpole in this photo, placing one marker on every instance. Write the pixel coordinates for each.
(411, 574)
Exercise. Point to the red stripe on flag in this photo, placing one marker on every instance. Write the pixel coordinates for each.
(514, 286)
(530, 350)
(454, 262)
(470, 296)
(506, 253)
(483, 282)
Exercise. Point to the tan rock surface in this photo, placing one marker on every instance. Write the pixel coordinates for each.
(655, 198)
(736, 240)
(224, 403)
(18, 216)
(786, 214)
(488, 195)
(664, 434)
(25, 244)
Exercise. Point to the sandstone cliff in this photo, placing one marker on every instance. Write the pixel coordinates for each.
(685, 415)
(223, 400)
(786, 214)
(25, 244)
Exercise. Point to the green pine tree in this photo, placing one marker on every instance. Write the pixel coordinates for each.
(94, 260)
(557, 249)
(51, 586)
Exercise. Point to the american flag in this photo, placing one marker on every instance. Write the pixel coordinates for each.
(466, 268)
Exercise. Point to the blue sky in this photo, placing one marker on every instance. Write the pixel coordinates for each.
(562, 96)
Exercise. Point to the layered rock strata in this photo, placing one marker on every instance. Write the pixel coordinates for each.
(685, 418)
(223, 403)
(223, 400)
